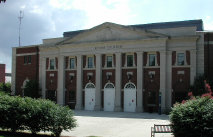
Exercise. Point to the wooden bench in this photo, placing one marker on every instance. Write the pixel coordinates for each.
(160, 129)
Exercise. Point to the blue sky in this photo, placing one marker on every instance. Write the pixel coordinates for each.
(50, 18)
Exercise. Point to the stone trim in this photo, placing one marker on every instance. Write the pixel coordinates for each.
(26, 54)
(13, 78)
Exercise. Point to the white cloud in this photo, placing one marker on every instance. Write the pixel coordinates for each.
(208, 23)
(61, 4)
(37, 10)
(99, 11)
(6, 59)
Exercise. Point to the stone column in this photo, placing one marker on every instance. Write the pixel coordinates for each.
(43, 75)
(193, 70)
(61, 83)
(13, 78)
(163, 79)
(139, 81)
(98, 82)
(169, 81)
(118, 82)
(79, 82)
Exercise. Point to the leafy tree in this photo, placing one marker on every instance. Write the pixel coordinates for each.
(5, 87)
(199, 86)
(32, 89)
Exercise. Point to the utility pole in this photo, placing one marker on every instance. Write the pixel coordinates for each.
(21, 16)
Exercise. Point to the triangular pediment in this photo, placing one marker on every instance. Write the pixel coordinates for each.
(111, 32)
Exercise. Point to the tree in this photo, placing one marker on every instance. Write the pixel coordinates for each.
(32, 89)
(199, 86)
(5, 87)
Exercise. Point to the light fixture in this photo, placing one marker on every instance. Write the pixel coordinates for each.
(129, 76)
(89, 77)
(108, 77)
(71, 78)
(151, 74)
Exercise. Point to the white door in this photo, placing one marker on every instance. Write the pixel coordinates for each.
(89, 96)
(109, 97)
(129, 97)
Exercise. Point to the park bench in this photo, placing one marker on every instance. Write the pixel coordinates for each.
(160, 129)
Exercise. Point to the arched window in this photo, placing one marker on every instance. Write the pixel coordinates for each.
(130, 85)
(90, 85)
(109, 85)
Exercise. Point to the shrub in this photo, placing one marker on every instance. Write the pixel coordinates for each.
(32, 89)
(193, 118)
(5, 87)
(17, 113)
(199, 86)
(62, 120)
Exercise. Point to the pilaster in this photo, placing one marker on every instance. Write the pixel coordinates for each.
(98, 82)
(168, 100)
(13, 78)
(79, 82)
(43, 75)
(163, 78)
(139, 81)
(118, 82)
(61, 79)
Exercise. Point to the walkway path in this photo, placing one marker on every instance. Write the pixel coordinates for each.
(116, 124)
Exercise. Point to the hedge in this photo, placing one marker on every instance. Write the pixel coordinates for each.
(193, 118)
(24, 113)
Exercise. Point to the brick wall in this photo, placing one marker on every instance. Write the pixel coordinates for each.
(85, 77)
(26, 50)
(151, 86)
(124, 78)
(208, 55)
(103, 60)
(70, 85)
(180, 83)
(2, 73)
(26, 70)
(104, 77)
(51, 80)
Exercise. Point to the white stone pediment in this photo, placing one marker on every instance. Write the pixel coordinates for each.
(111, 32)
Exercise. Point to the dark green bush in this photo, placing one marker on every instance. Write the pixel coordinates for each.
(17, 113)
(32, 89)
(5, 87)
(198, 87)
(194, 118)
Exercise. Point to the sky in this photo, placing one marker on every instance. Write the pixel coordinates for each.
(50, 18)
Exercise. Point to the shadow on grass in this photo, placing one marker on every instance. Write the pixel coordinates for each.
(21, 134)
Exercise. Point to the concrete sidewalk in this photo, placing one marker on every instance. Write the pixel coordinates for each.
(116, 124)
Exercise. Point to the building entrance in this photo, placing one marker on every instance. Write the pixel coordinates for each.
(89, 96)
(109, 97)
(129, 97)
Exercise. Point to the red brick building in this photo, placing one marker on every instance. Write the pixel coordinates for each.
(114, 67)
(2, 73)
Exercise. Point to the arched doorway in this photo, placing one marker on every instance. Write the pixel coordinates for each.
(89, 96)
(109, 97)
(129, 97)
